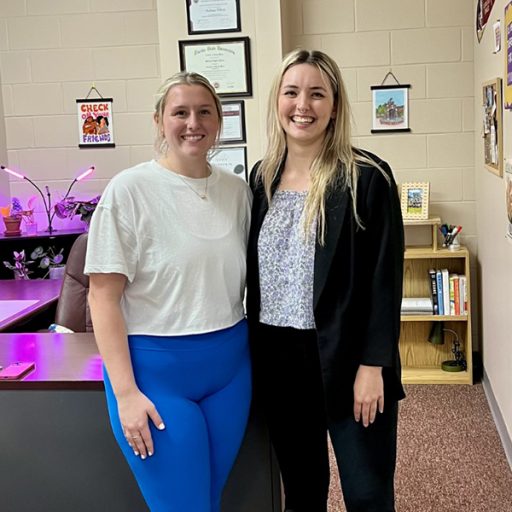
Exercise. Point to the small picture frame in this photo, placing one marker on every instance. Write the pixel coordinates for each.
(390, 111)
(492, 126)
(233, 122)
(95, 123)
(211, 16)
(233, 159)
(226, 63)
(414, 200)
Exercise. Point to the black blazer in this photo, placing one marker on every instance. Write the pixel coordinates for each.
(357, 288)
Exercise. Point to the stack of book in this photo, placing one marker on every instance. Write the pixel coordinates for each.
(416, 306)
(449, 293)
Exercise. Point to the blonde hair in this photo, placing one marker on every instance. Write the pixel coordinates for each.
(181, 78)
(336, 165)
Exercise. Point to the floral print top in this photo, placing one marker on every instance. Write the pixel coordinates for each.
(286, 263)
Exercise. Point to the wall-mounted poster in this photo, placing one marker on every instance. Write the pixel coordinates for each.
(508, 58)
(390, 108)
(208, 16)
(95, 124)
(483, 11)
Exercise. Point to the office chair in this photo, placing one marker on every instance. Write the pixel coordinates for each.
(72, 307)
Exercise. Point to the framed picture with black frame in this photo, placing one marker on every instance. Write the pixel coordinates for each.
(390, 112)
(213, 16)
(233, 122)
(232, 159)
(226, 63)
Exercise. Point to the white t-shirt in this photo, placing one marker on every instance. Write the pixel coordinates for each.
(184, 257)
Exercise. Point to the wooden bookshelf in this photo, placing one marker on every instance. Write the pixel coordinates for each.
(421, 360)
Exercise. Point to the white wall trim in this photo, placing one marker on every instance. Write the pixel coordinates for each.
(506, 441)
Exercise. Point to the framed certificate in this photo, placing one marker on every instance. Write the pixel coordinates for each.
(233, 122)
(224, 62)
(232, 159)
(209, 16)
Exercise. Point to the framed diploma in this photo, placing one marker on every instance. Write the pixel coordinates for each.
(209, 16)
(224, 62)
(231, 159)
(233, 122)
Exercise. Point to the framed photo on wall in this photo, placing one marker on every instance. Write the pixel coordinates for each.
(233, 159)
(225, 62)
(414, 200)
(210, 16)
(233, 122)
(390, 111)
(492, 126)
(95, 123)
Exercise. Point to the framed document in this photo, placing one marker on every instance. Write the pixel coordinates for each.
(233, 122)
(232, 159)
(209, 16)
(224, 62)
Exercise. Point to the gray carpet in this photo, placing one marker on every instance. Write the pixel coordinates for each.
(450, 457)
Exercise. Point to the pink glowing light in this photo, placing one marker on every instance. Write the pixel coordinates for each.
(14, 173)
(86, 173)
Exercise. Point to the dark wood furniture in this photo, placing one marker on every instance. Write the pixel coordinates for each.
(45, 291)
(58, 452)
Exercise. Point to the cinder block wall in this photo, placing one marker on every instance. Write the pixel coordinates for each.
(51, 52)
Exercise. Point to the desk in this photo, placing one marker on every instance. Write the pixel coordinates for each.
(59, 454)
(44, 291)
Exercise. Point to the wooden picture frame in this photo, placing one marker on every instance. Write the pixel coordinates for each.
(226, 63)
(493, 126)
(213, 16)
(390, 108)
(233, 122)
(414, 200)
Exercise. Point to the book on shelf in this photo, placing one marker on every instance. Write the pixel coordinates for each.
(416, 306)
(433, 291)
(448, 292)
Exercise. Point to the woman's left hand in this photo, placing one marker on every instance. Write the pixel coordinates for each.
(368, 394)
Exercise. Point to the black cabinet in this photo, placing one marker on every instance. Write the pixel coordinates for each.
(61, 239)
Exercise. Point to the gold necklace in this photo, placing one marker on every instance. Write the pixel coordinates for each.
(204, 195)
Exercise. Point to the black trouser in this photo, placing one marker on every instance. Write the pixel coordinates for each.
(288, 384)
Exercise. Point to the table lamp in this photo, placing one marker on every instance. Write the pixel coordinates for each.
(436, 337)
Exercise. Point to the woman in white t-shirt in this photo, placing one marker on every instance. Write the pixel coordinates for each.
(166, 259)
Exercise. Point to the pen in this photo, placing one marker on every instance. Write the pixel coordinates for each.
(451, 237)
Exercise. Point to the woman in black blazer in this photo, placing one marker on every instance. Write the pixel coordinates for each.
(324, 289)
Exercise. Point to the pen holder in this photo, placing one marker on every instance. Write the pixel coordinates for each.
(455, 244)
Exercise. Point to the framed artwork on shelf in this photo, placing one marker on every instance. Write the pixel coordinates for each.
(492, 131)
(95, 123)
(232, 159)
(390, 112)
(233, 122)
(225, 62)
(211, 16)
(414, 200)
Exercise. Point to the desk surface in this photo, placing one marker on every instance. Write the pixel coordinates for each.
(63, 361)
(43, 291)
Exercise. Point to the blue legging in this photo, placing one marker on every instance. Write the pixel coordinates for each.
(201, 386)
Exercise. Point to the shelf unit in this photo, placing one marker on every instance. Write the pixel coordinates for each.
(421, 360)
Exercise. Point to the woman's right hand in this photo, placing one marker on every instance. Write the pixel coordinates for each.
(134, 409)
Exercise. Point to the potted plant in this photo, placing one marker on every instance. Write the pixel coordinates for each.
(69, 207)
(11, 216)
(20, 267)
(51, 260)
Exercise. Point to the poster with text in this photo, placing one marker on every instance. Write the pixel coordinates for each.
(507, 96)
(95, 123)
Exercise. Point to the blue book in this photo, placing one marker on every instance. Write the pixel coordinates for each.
(439, 279)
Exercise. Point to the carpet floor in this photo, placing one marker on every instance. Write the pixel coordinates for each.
(450, 457)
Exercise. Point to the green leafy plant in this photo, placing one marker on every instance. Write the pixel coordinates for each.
(47, 258)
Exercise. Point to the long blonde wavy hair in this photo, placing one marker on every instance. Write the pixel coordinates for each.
(336, 165)
(181, 78)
